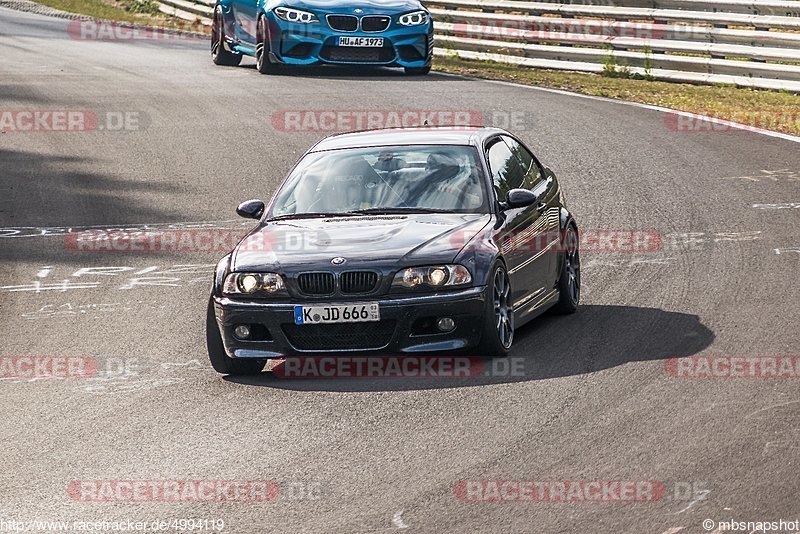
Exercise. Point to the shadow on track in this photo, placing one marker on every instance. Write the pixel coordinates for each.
(596, 338)
(46, 189)
(41, 190)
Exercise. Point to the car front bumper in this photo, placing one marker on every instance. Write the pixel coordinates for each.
(397, 332)
(313, 44)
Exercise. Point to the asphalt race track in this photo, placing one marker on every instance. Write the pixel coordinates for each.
(596, 400)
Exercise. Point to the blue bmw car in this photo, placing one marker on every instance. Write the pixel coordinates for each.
(394, 33)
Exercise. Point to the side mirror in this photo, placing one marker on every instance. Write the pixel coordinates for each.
(520, 198)
(252, 209)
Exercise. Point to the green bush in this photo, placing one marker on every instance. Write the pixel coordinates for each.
(148, 7)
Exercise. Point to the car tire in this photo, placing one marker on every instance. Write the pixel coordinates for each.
(263, 64)
(219, 55)
(220, 361)
(418, 71)
(569, 281)
(498, 317)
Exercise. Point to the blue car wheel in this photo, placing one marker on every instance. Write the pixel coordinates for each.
(418, 71)
(219, 54)
(263, 62)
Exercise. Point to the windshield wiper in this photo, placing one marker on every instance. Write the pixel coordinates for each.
(396, 211)
(312, 215)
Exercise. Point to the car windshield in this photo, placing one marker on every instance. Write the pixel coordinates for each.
(392, 179)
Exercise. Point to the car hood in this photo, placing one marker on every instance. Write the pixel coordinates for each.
(371, 241)
(369, 6)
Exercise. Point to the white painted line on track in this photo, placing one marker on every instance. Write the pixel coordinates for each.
(48, 231)
(777, 206)
(701, 495)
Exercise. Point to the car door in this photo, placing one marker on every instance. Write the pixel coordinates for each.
(245, 16)
(543, 184)
(522, 227)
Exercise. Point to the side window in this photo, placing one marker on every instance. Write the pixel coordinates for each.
(532, 174)
(507, 173)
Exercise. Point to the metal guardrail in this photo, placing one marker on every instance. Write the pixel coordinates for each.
(750, 43)
(627, 12)
(787, 8)
(700, 45)
(188, 10)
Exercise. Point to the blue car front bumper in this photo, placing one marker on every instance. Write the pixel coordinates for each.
(312, 44)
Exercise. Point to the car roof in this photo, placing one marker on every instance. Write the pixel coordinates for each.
(428, 135)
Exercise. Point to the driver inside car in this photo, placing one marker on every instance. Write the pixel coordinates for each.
(459, 186)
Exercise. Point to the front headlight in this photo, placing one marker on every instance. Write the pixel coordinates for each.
(416, 18)
(254, 285)
(433, 277)
(290, 14)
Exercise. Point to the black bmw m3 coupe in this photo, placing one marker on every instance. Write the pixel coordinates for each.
(402, 241)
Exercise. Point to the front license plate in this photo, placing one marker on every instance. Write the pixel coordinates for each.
(363, 42)
(368, 312)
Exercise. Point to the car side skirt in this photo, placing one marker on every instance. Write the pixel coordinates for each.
(535, 307)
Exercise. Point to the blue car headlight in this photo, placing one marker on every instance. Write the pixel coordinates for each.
(290, 14)
(417, 18)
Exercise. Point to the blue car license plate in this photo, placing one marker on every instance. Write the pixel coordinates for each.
(361, 42)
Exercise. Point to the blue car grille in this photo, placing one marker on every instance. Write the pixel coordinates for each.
(343, 23)
(347, 54)
(375, 23)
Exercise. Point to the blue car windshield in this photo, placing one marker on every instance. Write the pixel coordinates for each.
(421, 178)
